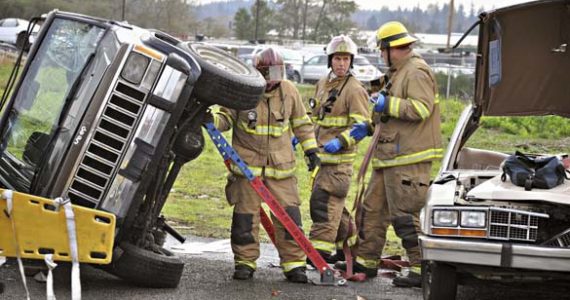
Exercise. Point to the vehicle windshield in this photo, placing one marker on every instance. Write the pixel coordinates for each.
(49, 83)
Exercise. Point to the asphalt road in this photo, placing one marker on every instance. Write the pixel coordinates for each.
(207, 275)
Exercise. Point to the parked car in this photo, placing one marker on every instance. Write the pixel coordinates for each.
(316, 67)
(13, 31)
(105, 114)
(476, 221)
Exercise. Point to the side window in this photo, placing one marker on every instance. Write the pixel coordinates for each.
(323, 60)
(314, 61)
(10, 23)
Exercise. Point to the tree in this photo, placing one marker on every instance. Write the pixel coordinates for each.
(243, 25)
(262, 24)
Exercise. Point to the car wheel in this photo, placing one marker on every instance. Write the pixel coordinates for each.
(225, 80)
(296, 77)
(439, 281)
(147, 268)
(21, 41)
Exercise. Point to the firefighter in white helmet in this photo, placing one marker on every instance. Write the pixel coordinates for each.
(340, 101)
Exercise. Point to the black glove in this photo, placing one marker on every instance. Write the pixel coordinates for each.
(312, 159)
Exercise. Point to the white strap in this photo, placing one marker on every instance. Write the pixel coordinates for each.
(7, 194)
(49, 282)
(72, 235)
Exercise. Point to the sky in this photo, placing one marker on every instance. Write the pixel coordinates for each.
(486, 4)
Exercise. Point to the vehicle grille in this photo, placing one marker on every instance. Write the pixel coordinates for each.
(560, 240)
(108, 142)
(516, 225)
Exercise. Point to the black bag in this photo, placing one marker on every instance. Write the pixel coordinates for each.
(531, 172)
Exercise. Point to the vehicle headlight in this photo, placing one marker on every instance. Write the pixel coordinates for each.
(135, 67)
(476, 219)
(445, 218)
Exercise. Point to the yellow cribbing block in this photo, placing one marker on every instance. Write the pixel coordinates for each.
(41, 230)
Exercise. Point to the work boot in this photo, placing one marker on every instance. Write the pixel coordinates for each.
(413, 279)
(338, 256)
(243, 272)
(357, 268)
(326, 256)
(297, 275)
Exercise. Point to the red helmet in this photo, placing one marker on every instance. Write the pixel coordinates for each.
(269, 63)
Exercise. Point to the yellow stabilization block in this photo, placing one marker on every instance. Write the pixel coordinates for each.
(41, 230)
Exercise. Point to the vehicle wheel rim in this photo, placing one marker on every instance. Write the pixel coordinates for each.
(221, 60)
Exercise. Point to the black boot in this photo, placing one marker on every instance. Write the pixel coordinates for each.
(326, 256)
(413, 279)
(357, 268)
(243, 272)
(338, 256)
(297, 275)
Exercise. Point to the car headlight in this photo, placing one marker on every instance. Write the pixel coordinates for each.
(135, 67)
(445, 218)
(474, 219)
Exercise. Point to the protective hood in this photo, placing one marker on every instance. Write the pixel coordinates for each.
(523, 67)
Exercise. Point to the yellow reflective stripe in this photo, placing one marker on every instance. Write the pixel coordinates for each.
(269, 172)
(323, 246)
(309, 144)
(333, 122)
(275, 131)
(420, 108)
(367, 263)
(329, 158)
(394, 107)
(349, 140)
(250, 264)
(288, 266)
(436, 101)
(416, 269)
(216, 121)
(351, 241)
(357, 118)
(408, 159)
(304, 120)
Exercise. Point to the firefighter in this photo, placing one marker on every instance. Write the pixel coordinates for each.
(340, 101)
(408, 118)
(262, 138)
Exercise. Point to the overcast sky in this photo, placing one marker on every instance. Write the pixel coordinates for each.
(487, 4)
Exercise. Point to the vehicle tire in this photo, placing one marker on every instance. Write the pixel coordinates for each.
(21, 41)
(296, 77)
(146, 268)
(225, 80)
(439, 281)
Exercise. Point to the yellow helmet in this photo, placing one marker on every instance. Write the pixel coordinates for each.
(393, 34)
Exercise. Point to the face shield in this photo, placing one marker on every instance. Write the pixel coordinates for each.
(274, 73)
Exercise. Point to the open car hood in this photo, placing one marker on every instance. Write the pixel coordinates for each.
(524, 60)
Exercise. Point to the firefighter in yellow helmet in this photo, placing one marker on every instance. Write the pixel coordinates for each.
(407, 116)
(340, 101)
(262, 138)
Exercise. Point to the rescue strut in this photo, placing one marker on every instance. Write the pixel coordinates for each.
(230, 155)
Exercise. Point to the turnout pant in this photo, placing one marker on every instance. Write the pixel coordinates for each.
(394, 196)
(245, 221)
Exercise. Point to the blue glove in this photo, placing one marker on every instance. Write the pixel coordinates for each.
(359, 131)
(333, 146)
(294, 142)
(379, 103)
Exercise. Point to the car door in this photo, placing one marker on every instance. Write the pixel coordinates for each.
(315, 68)
(9, 30)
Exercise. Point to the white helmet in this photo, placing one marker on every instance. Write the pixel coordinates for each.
(341, 44)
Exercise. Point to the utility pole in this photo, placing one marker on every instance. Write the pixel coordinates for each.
(123, 10)
(450, 23)
(256, 19)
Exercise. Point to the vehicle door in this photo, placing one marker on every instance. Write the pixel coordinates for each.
(315, 68)
(9, 30)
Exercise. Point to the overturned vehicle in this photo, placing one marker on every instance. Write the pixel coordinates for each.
(105, 113)
(477, 222)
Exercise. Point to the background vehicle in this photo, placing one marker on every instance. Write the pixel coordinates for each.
(13, 31)
(106, 114)
(475, 224)
(316, 67)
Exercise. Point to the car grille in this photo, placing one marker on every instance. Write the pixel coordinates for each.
(108, 142)
(505, 224)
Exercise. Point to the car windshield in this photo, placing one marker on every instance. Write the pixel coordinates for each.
(50, 82)
(361, 61)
